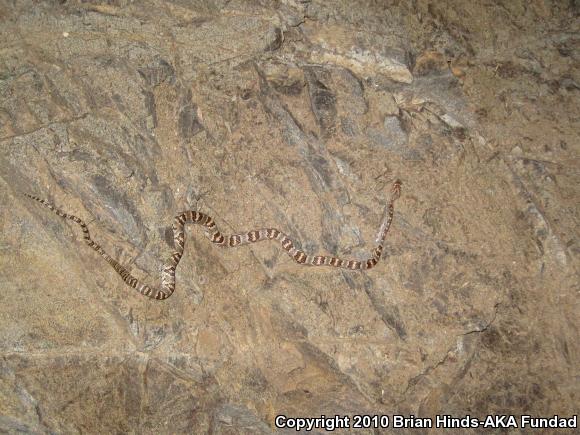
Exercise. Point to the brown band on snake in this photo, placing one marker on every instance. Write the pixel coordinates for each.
(192, 216)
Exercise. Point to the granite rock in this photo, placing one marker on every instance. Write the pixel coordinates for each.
(298, 115)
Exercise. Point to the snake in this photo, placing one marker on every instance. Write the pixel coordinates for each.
(215, 236)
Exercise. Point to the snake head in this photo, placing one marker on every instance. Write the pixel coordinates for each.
(396, 190)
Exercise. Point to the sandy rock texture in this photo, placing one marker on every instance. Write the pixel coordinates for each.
(299, 115)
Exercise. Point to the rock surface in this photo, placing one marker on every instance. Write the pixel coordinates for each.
(299, 115)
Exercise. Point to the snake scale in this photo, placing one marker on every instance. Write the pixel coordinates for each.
(216, 237)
